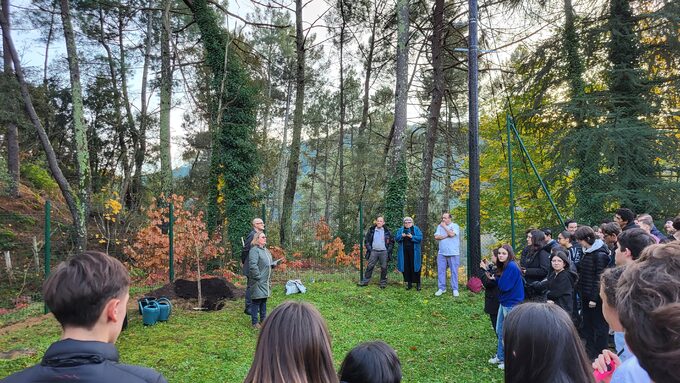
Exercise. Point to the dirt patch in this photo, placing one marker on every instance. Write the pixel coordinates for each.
(13, 354)
(184, 293)
(29, 322)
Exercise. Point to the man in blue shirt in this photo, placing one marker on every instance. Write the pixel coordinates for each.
(448, 235)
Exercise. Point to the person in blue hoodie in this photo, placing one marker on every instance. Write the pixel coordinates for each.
(511, 293)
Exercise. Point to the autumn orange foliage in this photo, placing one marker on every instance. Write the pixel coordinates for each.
(336, 250)
(192, 244)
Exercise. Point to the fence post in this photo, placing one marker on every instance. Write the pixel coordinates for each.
(171, 238)
(361, 242)
(8, 265)
(48, 243)
(508, 121)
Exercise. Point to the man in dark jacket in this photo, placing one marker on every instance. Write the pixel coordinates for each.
(258, 227)
(88, 295)
(379, 244)
(625, 218)
(595, 260)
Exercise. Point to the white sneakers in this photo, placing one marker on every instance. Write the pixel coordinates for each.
(500, 363)
(440, 292)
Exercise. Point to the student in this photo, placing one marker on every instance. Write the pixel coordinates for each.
(535, 263)
(628, 371)
(542, 345)
(560, 282)
(595, 260)
(511, 293)
(293, 346)
(372, 362)
(88, 295)
(486, 272)
(648, 304)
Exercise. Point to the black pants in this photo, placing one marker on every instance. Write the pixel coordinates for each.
(595, 329)
(258, 305)
(246, 271)
(410, 276)
(494, 320)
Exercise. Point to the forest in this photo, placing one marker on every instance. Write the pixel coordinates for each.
(306, 112)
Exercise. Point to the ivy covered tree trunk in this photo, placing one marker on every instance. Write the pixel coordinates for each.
(166, 98)
(286, 229)
(397, 184)
(234, 161)
(79, 129)
(433, 119)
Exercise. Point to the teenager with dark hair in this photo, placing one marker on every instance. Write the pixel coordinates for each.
(570, 225)
(559, 284)
(535, 263)
(595, 259)
(371, 362)
(625, 365)
(88, 295)
(648, 304)
(625, 218)
(293, 346)
(511, 293)
(486, 272)
(542, 345)
(630, 244)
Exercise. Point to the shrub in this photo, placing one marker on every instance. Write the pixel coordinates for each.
(39, 177)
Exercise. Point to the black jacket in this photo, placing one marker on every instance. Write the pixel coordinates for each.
(247, 244)
(593, 263)
(368, 241)
(84, 362)
(491, 302)
(560, 288)
(537, 265)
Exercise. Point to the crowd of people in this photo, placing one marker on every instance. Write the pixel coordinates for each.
(552, 310)
(572, 294)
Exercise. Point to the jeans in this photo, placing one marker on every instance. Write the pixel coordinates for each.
(502, 313)
(258, 305)
(452, 262)
(372, 260)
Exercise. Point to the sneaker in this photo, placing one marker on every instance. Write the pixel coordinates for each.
(501, 365)
(362, 284)
(494, 360)
(455, 293)
(439, 293)
(257, 326)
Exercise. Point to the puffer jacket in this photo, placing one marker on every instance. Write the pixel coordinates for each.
(71, 360)
(593, 263)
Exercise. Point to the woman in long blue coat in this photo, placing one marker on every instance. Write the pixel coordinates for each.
(409, 260)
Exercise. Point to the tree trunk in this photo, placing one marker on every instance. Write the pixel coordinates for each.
(166, 96)
(117, 106)
(125, 189)
(139, 136)
(64, 186)
(283, 153)
(79, 130)
(401, 91)
(12, 135)
(294, 162)
(341, 133)
(433, 119)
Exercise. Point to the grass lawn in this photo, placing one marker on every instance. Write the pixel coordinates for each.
(438, 339)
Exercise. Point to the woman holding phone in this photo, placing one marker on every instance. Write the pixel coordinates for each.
(409, 259)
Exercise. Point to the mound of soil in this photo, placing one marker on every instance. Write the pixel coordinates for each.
(214, 291)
